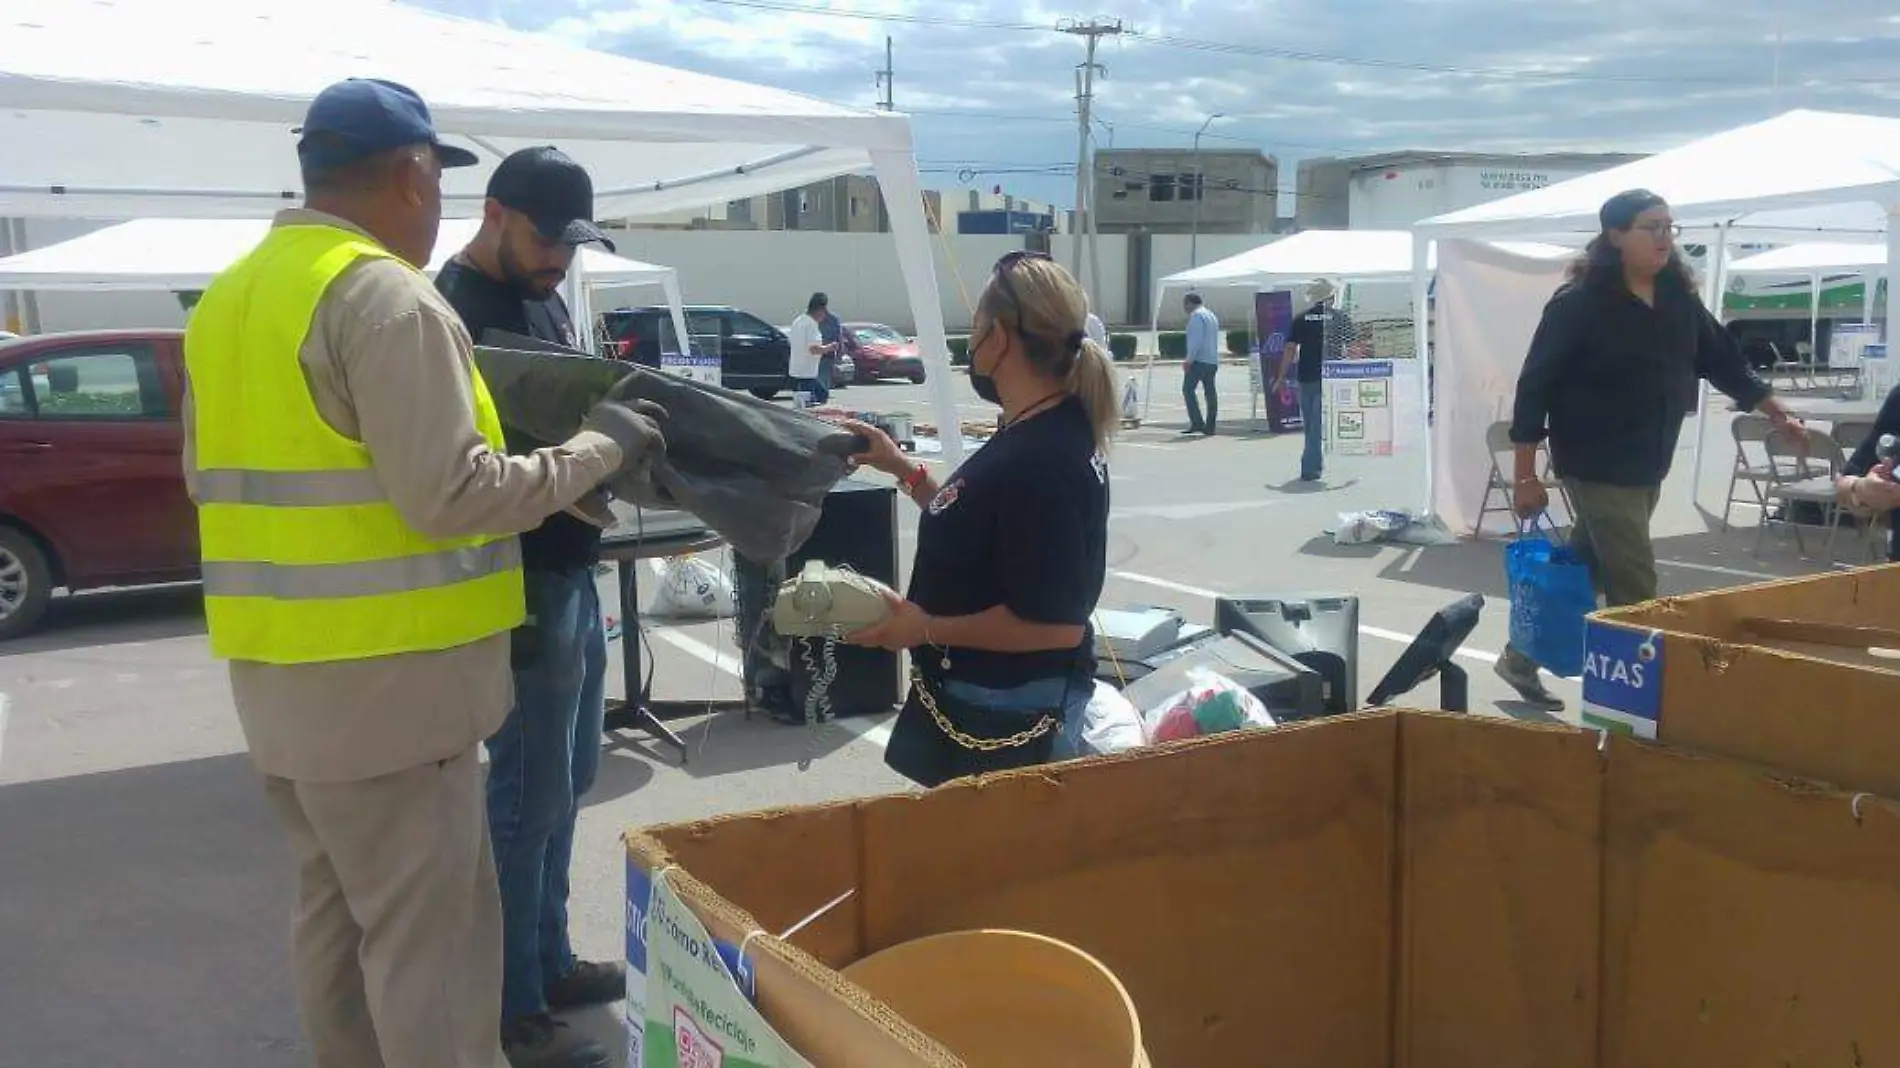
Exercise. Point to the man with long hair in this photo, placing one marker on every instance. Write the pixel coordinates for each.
(1611, 375)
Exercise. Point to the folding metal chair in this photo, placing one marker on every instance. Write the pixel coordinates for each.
(1751, 464)
(1501, 487)
(1802, 475)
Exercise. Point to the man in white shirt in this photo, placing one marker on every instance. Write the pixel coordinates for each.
(809, 349)
(1203, 361)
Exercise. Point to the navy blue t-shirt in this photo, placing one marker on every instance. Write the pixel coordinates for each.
(1023, 523)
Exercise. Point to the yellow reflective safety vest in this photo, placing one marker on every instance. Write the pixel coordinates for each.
(305, 558)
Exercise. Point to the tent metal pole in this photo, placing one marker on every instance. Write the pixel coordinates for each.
(1148, 372)
(1422, 349)
(1716, 286)
(896, 171)
(1893, 278)
(1814, 321)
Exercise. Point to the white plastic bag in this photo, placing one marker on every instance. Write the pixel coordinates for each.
(1131, 399)
(691, 587)
(1110, 724)
(1211, 704)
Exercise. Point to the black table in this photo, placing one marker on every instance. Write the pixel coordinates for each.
(625, 548)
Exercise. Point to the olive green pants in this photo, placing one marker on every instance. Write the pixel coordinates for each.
(1610, 532)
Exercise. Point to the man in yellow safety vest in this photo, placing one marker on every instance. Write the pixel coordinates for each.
(358, 517)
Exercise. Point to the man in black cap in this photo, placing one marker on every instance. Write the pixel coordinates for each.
(540, 208)
(358, 509)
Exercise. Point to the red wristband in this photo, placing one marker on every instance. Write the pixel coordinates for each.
(914, 479)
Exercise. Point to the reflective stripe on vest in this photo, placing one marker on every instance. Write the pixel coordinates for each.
(305, 557)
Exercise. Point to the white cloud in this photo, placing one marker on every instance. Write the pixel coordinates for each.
(1620, 76)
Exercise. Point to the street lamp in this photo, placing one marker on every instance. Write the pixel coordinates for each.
(1194, 240)
(1110, 127)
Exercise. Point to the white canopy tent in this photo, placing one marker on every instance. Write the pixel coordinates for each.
(1344, 257)
(185, 254)
(189, 110)
(1818, 261)
(1798, 176)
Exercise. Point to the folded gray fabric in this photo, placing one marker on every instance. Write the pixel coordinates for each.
(753, 471)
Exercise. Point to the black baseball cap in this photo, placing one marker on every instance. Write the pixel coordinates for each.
(553, 191)
(360, 117)
(1620, 211)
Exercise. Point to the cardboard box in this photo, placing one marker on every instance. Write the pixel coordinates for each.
(1380, 889)
(1787, 674)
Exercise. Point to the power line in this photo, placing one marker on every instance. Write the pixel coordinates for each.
(1295, 55)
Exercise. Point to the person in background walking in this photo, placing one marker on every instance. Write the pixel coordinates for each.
(809, 349)
(1611, 374)
(1317, 336)
(1203, 362)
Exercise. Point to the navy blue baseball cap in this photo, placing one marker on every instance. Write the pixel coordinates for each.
(357, 118)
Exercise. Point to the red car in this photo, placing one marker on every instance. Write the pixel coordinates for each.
(91, 492)
(881, 352)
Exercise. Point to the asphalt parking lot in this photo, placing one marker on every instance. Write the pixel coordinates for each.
(145, 893)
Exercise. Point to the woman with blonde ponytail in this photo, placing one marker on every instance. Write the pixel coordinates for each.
(1012, 546)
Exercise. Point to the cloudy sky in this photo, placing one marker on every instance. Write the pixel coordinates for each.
(991, 84)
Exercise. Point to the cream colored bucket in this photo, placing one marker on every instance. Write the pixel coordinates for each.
(1008, 999)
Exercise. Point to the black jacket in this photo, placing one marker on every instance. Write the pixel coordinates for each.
(1610, 379)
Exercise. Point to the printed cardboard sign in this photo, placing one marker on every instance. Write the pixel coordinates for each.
(1359, 407)
(689, 995)
(1622, 680)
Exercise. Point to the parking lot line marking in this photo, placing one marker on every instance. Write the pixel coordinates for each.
(1381, 633)
(693, 647)
(1714, 569)
(873, 729)
(3, 727)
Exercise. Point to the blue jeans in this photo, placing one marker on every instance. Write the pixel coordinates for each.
(1070, 695)
(819, 390)
(1193, 374)
(1312, 416)
(540, 764)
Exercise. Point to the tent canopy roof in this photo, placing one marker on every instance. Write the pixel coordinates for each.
(1849, 164)
(140, 109)
(187, 253)
(1338, 255)
(1818, 257)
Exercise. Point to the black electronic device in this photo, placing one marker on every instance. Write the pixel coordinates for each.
(1288, 688)
(1320, 630)
(1431, 654)
(1121, 672)
(857, 530)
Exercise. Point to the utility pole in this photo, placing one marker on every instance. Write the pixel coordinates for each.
(1092, 31)
(1200, 190)
(885, 78)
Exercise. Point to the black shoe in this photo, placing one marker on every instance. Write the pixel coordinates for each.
(541, 1041)
(1520, 674)
(1190, 431)
(589, 983)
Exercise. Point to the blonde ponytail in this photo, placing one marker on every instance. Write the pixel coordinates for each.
(1046, 306)
(1092, 381)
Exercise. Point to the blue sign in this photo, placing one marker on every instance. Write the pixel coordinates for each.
(639, 899)
(1351, 369)
(1622, 679)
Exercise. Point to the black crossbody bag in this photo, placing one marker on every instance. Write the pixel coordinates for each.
(938, 737)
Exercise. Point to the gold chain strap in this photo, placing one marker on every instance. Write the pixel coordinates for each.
(982, 745)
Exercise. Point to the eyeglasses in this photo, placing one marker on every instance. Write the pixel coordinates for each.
(1660, 230)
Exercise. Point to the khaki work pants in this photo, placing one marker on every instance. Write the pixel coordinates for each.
(397, 932)
(1612, 536)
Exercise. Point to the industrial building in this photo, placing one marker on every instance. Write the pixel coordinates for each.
(1393, 190)
(1180, 191)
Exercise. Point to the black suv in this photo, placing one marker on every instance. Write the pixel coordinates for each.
(754, 355)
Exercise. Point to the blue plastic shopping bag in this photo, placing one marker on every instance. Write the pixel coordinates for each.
(1552, 596)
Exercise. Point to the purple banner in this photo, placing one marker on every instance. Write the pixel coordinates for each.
(1273, 319)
